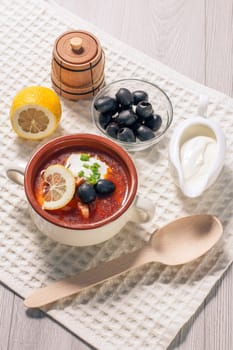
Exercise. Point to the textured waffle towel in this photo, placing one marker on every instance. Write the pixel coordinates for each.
(143, 309)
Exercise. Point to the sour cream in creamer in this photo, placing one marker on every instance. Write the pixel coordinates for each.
(197, 157)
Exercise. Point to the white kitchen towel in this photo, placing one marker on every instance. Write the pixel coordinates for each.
(145, 308)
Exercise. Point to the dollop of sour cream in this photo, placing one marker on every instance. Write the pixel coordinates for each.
(197, 156)
(86, 166)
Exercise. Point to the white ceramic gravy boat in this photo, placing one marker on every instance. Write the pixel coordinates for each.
(202, 168)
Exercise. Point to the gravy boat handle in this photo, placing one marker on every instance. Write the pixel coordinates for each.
(203, 105)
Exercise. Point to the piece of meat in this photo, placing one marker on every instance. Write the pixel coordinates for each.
(84, 209)
(79, 181)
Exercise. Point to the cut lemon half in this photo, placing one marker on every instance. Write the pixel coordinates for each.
(59, 187)
(35, 112)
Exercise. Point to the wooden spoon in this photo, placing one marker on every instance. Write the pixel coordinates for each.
(178, 242)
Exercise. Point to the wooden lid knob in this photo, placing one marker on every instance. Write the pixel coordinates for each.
(76, 43)
(76, 47)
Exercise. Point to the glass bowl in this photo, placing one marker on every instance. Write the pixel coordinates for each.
(157, 97)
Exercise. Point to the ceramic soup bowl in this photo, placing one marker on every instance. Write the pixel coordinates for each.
(62, 226)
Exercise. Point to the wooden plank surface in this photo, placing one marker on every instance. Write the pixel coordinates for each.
(195, 38)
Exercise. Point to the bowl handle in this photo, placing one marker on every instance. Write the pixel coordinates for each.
(203, 105)
(15, 172)
(144, 214)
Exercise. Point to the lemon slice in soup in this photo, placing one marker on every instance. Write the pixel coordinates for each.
(59, 187)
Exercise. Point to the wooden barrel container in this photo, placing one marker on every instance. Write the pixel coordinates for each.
(77, 65)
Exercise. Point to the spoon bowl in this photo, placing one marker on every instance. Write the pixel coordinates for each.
(179, 242)
(185, 239)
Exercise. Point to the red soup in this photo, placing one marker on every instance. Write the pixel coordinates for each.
(100, 186)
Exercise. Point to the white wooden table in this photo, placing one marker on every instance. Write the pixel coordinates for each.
(195, 37)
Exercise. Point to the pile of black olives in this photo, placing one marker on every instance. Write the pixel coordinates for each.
(128, 116)
(87, 192)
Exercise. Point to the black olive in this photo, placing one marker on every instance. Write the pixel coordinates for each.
(144, 109)
(86, 193)
(139, 96)
(121, 108)
(104, 186)
(144, 133)
(136, 124)
(127, 135)
(124, 97)
(126, 118)
(154, 122)
(104, 119)
(106, 104)
(112, 129)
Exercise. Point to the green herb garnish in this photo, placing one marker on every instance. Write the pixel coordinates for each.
(96, 165)
(94, 168)
(81, 173)
(84, 157)
(93, 178)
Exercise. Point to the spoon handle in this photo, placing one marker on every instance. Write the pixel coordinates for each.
(74, 284)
